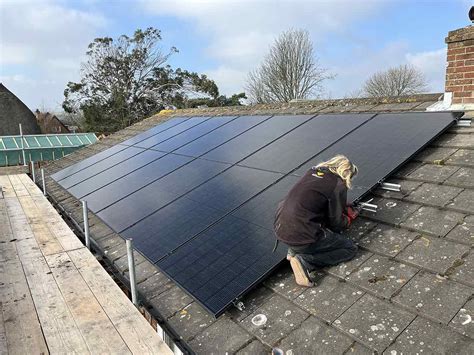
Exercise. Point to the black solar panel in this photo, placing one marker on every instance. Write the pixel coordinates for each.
(105, 164)
(148, 199)
(221, 135)
(192, 134)
(254, 139)
(155, 130)
(204, 213)
(223, 262)
(296, 147)
(383, 144)
(171, 132)
(115, 172)
(126, 185)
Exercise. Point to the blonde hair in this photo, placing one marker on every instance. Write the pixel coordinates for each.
(342, 167)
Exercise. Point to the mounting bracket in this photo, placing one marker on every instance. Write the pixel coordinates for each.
(239, 305)
(367, 206)
(390, 187)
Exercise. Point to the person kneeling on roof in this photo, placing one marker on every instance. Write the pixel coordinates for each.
(312, 216)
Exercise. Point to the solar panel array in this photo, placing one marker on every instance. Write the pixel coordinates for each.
(198, 194)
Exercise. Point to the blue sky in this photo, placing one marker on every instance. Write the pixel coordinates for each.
(42, 42)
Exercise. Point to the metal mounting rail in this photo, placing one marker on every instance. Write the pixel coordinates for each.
(390, 187)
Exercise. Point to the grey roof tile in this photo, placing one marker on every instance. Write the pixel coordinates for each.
(406, 186)
(373, 322)
(432, 154)
(433, 194)
(391, 211)
(434, 254)
(171, 301)
(464, 270)
(464, 201)
(426, 337)
(190, 321)
(456, 141)
(463, 233)
(311, 332)
(223, 336)
(463, 321)
(433, 172)
(283, 283)
(282, 317)
(255, 347)
(359, 227)
(344, 269)
(462, 157)
(387, 240)
(329, 299)
(382, 276)
(433, 221)
(464, 177)
(433, 296)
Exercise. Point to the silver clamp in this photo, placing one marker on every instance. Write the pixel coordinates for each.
(367, 206)
(390, 187)
(463, 123)
(239, 305)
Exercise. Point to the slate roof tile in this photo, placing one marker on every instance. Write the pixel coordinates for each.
(433, 296)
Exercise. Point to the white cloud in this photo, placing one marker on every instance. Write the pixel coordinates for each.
(240, 32)
(46, 44)
(433, 65)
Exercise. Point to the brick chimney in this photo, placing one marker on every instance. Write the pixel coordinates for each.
(460, 68)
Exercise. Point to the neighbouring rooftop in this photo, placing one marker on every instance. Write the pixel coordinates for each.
(409, 289)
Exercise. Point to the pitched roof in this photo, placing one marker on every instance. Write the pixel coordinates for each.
(409, 288)
(12, 112)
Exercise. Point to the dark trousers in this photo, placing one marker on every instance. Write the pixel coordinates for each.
(331, 249)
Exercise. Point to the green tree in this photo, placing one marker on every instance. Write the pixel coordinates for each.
(126, 80)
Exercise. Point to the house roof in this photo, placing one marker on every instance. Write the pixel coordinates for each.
(12, 112)
(409, 289)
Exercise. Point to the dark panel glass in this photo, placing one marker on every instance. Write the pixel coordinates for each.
(304, 142)
(130, 183)
(151, 198)
(220, 135)
(103, 165)
(233, 187)
(192, 133)
(155, 130)
(256, 138)
(169, 133)
(87, 162)
(261, 208)
(383, 144)
(106, 177)
(171, 226)
(223, 262)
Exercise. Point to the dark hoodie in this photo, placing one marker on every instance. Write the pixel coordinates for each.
(318, 200)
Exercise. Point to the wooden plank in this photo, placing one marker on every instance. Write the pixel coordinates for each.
(7, 187)
(60, 331)
(98, 331)
(7, 246)
(134, 329)
(46, 240)
(18, 186)
(3, 333)
(22, 327)
(25, 242)
(59, 228)
(30, 185)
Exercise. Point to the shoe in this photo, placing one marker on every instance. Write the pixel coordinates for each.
(301, 274)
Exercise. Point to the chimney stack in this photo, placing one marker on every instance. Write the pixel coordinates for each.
(460, 68)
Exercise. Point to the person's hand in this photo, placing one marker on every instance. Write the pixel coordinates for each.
(352, 213)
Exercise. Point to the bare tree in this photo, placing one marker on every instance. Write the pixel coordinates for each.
(397, 81)
(289, 71)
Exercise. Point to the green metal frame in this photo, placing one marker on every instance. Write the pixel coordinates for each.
(41, 147)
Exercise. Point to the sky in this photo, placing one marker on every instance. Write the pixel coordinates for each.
(43, 42)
